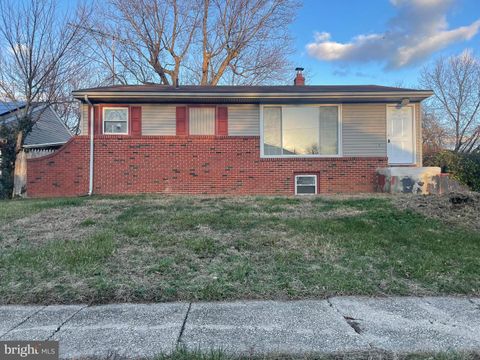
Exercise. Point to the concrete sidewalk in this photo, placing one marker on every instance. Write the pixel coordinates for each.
(336, 325)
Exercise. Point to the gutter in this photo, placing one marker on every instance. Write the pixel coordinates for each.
(32, 146)
(291, 95)
(90, 173)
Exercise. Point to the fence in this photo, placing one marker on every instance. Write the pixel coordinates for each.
(35, 153)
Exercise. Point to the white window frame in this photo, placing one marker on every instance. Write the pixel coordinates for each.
(115, 108)
(293, 156)
(306, 175)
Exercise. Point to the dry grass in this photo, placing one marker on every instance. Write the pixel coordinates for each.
(457, 209)
(161, 248)
(183, 354)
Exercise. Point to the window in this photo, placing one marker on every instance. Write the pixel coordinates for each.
(300, 130)
(115, 121)
(272, 130)
(201, 120)
(305, 184)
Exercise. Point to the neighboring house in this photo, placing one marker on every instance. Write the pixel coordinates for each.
(48, 134)
(234, 140)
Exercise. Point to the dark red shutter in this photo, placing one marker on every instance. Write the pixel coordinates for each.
(182, 126)
(136, 120)
(97, 120)
(222, 120)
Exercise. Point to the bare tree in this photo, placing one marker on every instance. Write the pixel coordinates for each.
(456, 83)
(81, 75)
(40, 58)
(142, 41)
(435, 136)
(245, 42)
(206, 42)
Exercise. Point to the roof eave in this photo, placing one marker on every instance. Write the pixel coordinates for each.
(29, 146)
(258, 97)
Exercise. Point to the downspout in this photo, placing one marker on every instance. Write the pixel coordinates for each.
(92, 122)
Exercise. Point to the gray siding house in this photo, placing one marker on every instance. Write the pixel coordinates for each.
(48, 134)
(49, 131)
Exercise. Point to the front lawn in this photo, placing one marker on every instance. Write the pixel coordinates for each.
(182, 354)
(165, 248)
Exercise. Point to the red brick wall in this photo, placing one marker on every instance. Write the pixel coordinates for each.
(63, 173)
(189, 165)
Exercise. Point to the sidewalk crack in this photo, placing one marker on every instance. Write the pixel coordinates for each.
(477, 306)
(66, 320)
(23, 321)
(179, 340)
(353, 323)
(333, 306)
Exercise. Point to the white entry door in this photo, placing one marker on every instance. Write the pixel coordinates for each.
(400, 135)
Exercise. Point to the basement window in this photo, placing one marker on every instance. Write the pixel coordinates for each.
(305, 184)
(115, 120)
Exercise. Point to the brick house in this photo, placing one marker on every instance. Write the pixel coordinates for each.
(233, 140)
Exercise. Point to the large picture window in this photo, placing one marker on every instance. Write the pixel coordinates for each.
(300, 130)
(115, 121)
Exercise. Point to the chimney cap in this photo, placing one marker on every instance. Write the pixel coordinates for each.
(299, 78)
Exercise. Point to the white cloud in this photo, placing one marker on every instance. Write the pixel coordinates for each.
(322, 36)
(346, 72)
(408, 54)
(417, 30)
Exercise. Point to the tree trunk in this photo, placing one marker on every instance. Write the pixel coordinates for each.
(20, 174)
(206, 55)
(17, 166)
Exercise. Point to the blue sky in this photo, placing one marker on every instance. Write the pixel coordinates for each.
(358, 41)
(424, 29)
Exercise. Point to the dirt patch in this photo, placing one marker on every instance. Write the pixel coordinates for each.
(461, 209)
(311, 213)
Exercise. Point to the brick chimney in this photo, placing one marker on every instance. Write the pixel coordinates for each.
(299, 79)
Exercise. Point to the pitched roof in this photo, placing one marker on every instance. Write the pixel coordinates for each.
(249, 94)
(246, 89)
(6, 107)
(48, 128)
